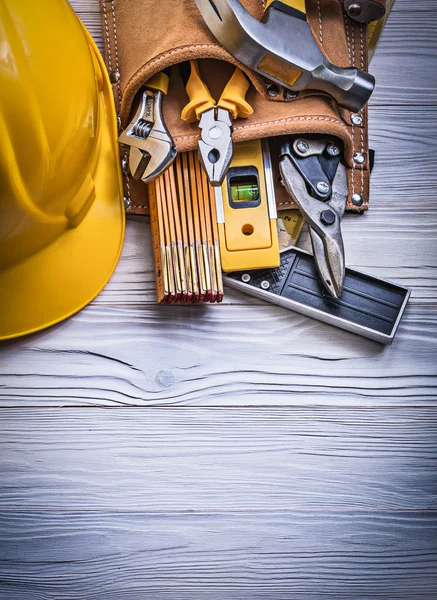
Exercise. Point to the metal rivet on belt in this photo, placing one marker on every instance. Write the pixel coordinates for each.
(114, 76)
(359, 158)
(272, 90)
(357, 199)
(356, 119)
(354, 10)
(126, 203)
(265, 284)
(124, 165)
(245, 278)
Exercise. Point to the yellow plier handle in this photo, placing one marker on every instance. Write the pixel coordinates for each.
(297, 4)
(232, 98)
(159, 82)
(200, 98)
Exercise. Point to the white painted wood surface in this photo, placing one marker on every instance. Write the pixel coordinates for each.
(254, 453)
(245, 459)
(258, 555)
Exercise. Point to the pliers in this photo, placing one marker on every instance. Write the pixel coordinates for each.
(323, 208)
(215, 118)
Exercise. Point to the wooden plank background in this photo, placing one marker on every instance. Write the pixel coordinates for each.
(254, 453)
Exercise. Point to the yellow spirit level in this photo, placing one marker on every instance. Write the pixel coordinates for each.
(246, 210)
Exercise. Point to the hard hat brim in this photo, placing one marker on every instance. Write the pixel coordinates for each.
(65, 276)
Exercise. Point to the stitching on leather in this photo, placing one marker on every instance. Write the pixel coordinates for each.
(320, 22)
(116, 50)
(161, 56)
(125, 176)
(349, 53)
(186, 137)
(288, 120)
(108, 44)
(351, 38)
(354, 166)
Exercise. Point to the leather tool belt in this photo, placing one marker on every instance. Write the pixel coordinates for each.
(144, 37)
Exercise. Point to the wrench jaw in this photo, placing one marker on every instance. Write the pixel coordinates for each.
(147, 165)
(152, 148)
(215, 146)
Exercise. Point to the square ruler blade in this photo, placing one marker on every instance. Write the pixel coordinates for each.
(368, 306)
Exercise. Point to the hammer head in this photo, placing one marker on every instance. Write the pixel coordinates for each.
(282, 49)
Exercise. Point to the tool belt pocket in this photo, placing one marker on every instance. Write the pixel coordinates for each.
(144, 37)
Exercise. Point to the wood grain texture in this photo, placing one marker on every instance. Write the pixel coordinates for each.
(254, 453)
(404, 60)
(411, 262)
(243, 555)
(400, 248)
(89, 13)
(226, 460)
(219, 356)
(404, 139)
(405, 6)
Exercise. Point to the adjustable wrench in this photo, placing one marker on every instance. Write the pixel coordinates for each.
(282, 48)
(152, 149)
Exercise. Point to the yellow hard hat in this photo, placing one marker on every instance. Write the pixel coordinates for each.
(61, 199)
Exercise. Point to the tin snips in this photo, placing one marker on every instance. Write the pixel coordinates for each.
(313, 175)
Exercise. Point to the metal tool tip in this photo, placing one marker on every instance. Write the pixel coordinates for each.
(334, 289)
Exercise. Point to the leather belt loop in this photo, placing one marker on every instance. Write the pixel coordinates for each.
(109, 26)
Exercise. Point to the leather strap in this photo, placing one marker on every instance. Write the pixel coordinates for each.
(344, 41)
(134, 52)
